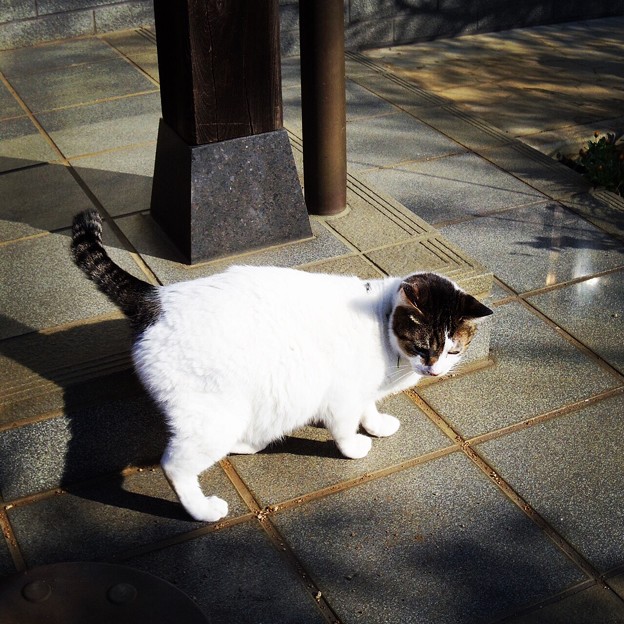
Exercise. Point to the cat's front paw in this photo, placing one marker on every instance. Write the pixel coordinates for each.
(356, 446)
(381, 425)
(211, 509)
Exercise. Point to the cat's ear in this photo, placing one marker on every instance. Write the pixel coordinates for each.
(474, 310)
(411, 293)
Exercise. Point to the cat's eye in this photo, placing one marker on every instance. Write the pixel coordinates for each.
(455, 352)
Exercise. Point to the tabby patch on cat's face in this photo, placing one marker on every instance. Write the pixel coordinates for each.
(434, 322)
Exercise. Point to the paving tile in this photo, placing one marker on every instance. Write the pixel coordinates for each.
(80, 84)
(160, 255)
(53, 56)
(591, 311)
(392, 139)
(616, 582)
(453, 187)
(536, 371)
(570, 471)
(21, 145)
(87, 441)
(121, 179)
(8, 104)
(309, 460)
(388, 549)
(348, 265)
(105, 125)
(38, 368)
(41, 287)
(31, 201)
(589, 606)
(537, 246)
(101, 520)
(6, 563)
(235, 575)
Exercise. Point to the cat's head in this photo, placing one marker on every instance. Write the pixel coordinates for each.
(433, 322)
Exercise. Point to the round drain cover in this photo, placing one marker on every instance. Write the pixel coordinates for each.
(98, 593)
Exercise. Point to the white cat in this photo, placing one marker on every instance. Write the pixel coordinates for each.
(240, 359)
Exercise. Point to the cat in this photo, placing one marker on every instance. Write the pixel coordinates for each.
(240, 359)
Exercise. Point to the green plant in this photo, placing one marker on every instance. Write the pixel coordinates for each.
(602, 161)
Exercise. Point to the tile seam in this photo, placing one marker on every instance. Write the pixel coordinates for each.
(11, 542)
(564, 546)
(279, 542)
(575, 342)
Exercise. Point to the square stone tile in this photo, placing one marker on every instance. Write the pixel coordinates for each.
(537, 246)
(41, 287)
(80, 84)
(9, 107)
(347, 265)
(6, 562)
(49, 57)
(105, 125)
(161, 256)
(569, 470)
(309, 460)
(104, 519)
(536, 371)
(593, 312)
(617, 583)
(37, 369)
(38, 199)
(390, 139)
(122, 179)
(588, 606)
(21, 145)
(438, 540)
(85, 442)
(234, 575)
(448, 188)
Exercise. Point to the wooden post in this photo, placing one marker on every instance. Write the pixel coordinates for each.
(224, 178)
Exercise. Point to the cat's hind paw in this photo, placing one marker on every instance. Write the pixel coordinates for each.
(381, 425)
(356, 446)
(210, 509)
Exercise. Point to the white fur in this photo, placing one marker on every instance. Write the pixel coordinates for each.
(240, 359)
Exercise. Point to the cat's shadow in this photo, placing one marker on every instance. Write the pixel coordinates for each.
(304, 447)
(108, 422)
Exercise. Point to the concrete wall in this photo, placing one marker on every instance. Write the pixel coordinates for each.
(369, 23)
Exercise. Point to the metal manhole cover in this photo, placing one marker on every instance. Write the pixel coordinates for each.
(98, 593)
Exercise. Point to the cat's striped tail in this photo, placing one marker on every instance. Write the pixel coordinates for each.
(137, 299)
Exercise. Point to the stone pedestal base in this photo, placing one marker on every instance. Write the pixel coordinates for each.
(229, 197)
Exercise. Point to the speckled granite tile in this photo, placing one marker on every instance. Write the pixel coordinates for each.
(104, 125)
(593, 312)
(38, 199)
(570, 471)
(41, 287)
(536, 246)
(85, 442)
(235, 575)
(448, 188)
(80, 84)
(121, 179)
(104, 519)
(536, 371)
(588, 606)
(53, 56)
(21, 145)
(309, 460)
(9, 107)
(617, 583)
(348, 265)
(6, 562)
(381, 142)
(160, 255)
(388, 549)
